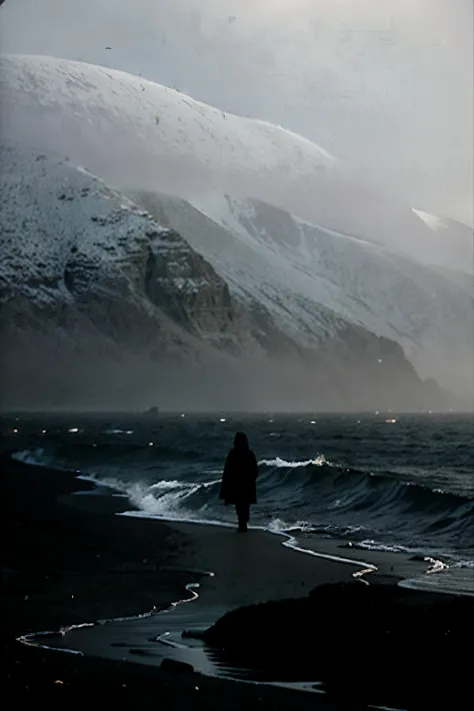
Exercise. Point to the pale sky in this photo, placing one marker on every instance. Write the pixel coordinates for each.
(384, 85)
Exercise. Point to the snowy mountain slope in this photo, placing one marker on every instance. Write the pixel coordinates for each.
(460, 279)
(433, 221)
(168, 122)
(451, 244)
(69, 239)
(314, 280)
(256, 273)
(133, 132)
(103, 305)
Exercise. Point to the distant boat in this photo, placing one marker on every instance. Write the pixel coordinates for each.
(152, 411)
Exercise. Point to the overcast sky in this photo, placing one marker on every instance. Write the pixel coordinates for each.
(384, 85)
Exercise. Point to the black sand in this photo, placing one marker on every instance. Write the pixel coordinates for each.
(66, 564)
(62, 567)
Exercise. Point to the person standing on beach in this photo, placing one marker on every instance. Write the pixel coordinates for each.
(238, 485)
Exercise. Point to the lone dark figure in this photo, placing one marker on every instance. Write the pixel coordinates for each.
(238, 485)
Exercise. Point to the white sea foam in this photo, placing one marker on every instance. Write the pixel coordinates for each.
(278, 462)
(33, 457)
(278, 525)
(164, 499)
(118, 431)
(436, 566)
(464, 564)
(171, 484)
(370, 545)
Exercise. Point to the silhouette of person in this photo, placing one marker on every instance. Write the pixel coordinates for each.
(238, 485)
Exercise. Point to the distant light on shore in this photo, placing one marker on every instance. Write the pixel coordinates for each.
(15, 431)
(222, 419)
(390, 422)
(150, 444)
(73, 430)
(43, 431)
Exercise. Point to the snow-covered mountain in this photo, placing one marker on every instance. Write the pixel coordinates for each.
(89, 280)
(259, 276)
(134, 132)
(450, 245)
(311, 279)
(102, 303)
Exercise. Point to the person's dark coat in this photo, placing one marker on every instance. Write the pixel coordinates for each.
(240, 473)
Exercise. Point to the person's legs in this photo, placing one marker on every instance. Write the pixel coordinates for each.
(242, 516)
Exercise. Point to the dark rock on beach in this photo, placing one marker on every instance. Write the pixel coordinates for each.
(141, 652)
(177, 667)
(385, 644)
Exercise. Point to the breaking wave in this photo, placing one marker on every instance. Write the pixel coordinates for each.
(378, 511)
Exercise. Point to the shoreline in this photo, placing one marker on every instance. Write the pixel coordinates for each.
(293, 537)
(320, 545)
(61, 568)
(336, 551)
(129, 560)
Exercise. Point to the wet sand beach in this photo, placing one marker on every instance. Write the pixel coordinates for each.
(69, 560)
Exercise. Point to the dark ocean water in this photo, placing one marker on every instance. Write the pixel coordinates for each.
(385, 482)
